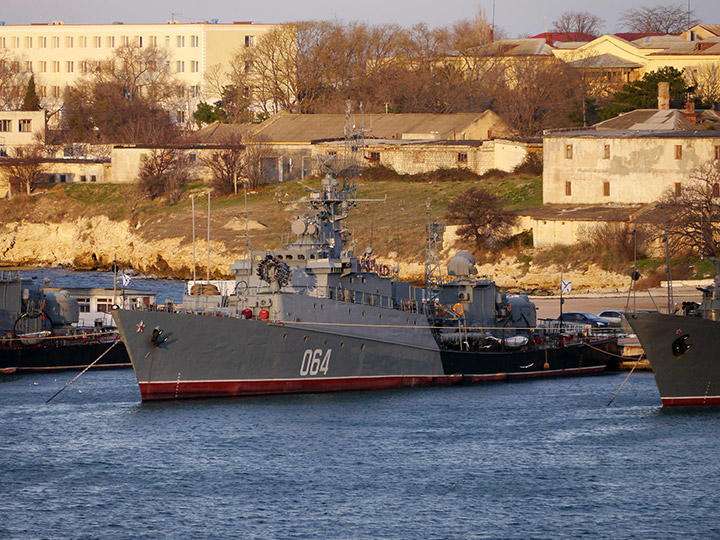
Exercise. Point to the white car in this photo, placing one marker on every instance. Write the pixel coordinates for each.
(613, 316)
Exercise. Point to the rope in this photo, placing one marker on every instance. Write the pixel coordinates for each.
(66, 336)
(626, 379)
(607, 352)
(83, 371)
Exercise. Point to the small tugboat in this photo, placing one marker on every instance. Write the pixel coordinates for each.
(682, 349)
(313, 317)
(39, 331)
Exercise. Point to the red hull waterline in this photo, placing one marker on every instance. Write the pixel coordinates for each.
(693, 401)
(200, 389)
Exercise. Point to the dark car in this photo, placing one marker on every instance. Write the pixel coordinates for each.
(584, 318)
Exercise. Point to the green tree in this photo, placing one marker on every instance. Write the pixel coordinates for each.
(30, 101)
(207, 114)
(643, 94)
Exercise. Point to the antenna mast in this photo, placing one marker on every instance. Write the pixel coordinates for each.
(433, 271)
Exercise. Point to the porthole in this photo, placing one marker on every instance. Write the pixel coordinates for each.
(284, 336)
(342, 344)
(305, 338)
(363, 314)
(362, 347)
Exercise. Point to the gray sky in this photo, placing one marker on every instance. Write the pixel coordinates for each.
(516, 17)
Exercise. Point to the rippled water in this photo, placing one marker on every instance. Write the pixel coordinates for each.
(539, 459)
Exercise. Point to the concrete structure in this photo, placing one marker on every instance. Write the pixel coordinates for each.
(293, 145)
(622, 167)
(59, 54)
(20, 128)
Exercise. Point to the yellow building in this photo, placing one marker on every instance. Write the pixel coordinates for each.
(198, 55)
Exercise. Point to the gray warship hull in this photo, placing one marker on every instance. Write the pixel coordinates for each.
(210, 356)
(683, 354)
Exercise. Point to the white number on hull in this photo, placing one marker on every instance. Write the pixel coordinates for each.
(314, 362)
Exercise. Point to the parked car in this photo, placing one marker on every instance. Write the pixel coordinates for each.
(584, 318)
(613, 316)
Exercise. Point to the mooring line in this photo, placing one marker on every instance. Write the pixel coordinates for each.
(626, 379)
(83, 371)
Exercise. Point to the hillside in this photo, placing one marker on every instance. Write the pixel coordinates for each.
(86, 226)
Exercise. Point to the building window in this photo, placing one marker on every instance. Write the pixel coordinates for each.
(83, 42)
(124, 41)
(42, 91)
(180, 116)
(69, 42)
(16, 42)
(678, 189)
(6, 125)
(195, 91)
(28, 67)
(152, 41)
(462, 157)
(56, 42)
(70, 67)
(181, 41)
(167, 41)
(194, 66)
(568, 151)
(3, 152)
(25, 126)
(93, 178)
(374, 157)
(42, 42)
(568, 189)
(678, 151)
(110, 42)
(28, 42)
(104, 304)
(83, 304)
(83, 178)
(137, 41)
(97, 42)
(606, 189)
(249, 41)
(83, 66)
(606, 151)
(194, 41)
(56, 67)
(180, 66)
(43, 66)
(56, 91)
(2, 43)
(717, 152)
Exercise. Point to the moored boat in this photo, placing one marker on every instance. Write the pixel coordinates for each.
(683, 349)
(314, 317)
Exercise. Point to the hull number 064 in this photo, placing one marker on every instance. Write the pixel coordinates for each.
(315, 361)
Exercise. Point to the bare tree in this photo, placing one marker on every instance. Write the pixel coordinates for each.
(538, 94)
(670, 19)
(693, 215)
(582, 23)
(27, 168)
(226, 164)
(12, 81)
(706, 80)
(481, 217)
(163, 172)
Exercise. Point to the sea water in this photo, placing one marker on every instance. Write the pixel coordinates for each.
(536, 459)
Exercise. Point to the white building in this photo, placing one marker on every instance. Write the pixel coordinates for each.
(58, 54)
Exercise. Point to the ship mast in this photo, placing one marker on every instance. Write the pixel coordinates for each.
(433, 271)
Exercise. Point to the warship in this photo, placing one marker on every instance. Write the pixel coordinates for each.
(682, 349)
(314, 317)
(39, 330)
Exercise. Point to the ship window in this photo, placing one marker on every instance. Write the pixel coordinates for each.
(363, 314)
(280, 257)
(362, 347)
(322, 307)
(284, 336)
(301, 257)
(362, 280)
(342, 344)
(288, 257)
(305, 338)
